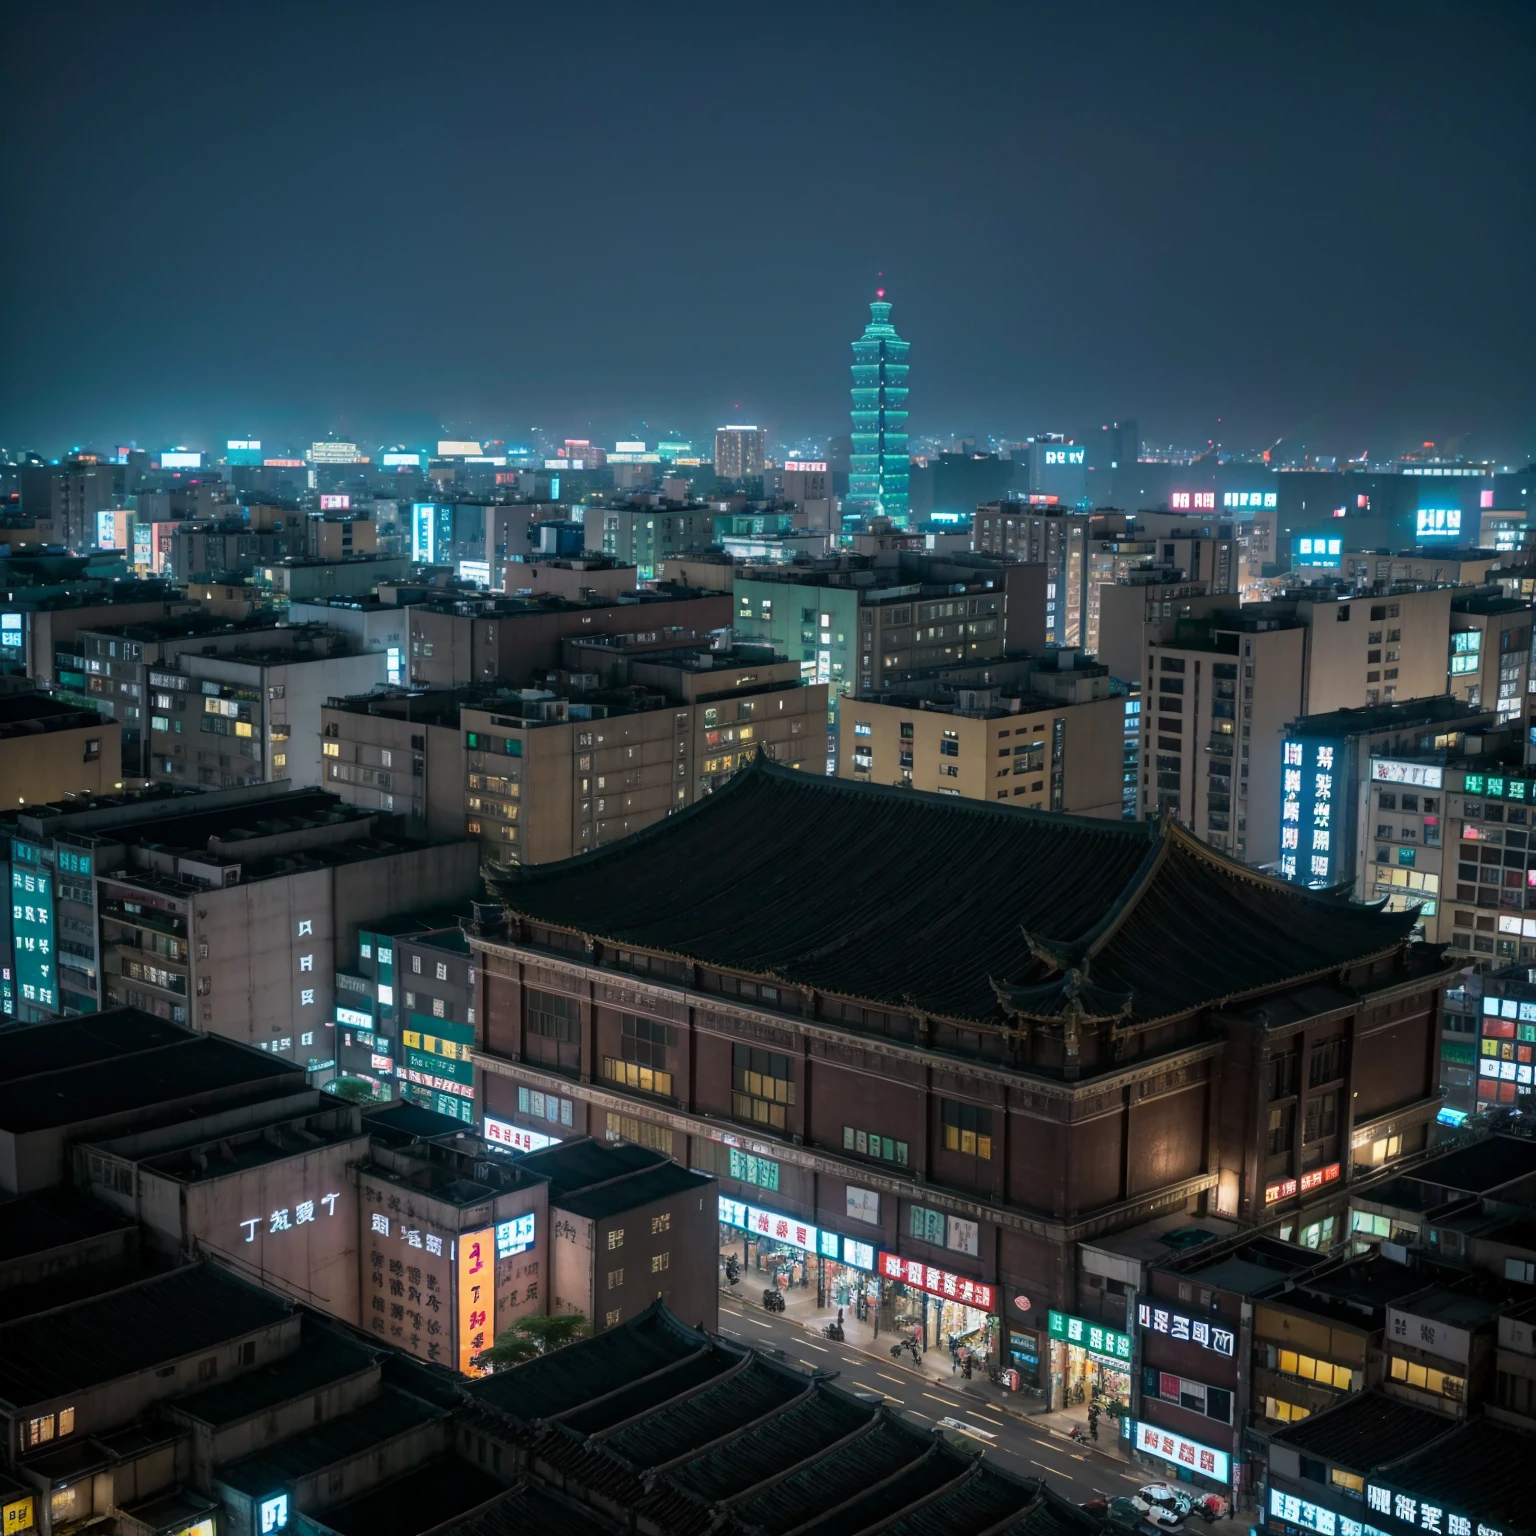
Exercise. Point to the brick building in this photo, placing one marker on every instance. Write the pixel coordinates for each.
(1065, 1028)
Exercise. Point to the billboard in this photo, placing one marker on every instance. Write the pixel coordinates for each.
(424, 532)
(179, 458)
(1439, 523)
(476, 1292)
(457, 448)
(335, 503)
(1312, 813)
(1308, 549)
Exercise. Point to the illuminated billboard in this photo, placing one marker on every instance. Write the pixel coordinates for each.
(423, 532)
(1066, 455)
(179, 458)
(456, 449)
(335, 503)
(1312, 816)
(1192, 501)
(1310, 550)
(475, 1299)
(1249, 501)
(1439, 523)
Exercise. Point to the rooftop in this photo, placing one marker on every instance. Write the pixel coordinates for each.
(55, 1218)
(591, 1178)
(389, 1415)
(123, 1332)
(28, 1049)
(37, 714)
(755, 878)
(1369, 718)
(453, 1495)
(115, 1085)
(682, 1434)
(1482, 1469)
(1477, 1169)
(1364, 1429)
(324, 1355)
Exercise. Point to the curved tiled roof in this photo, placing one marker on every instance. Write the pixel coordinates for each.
(924, 901)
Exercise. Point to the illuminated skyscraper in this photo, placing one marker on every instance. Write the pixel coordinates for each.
(878, 465)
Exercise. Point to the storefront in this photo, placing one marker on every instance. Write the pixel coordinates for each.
(945, 1309)
(796, 1255)
(1176, 1457)
(1090, 1364)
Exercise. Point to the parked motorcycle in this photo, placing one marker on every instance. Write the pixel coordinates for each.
(833, 1331)
(773, 1300)
(732, 1269)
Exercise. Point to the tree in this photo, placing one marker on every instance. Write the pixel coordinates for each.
(530, 1337)
(353, 1089)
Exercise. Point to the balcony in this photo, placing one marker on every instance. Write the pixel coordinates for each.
(154, 921)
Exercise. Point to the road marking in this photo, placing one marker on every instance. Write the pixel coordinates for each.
(878, 1393)
(757, 1324)
(731, 1310)
(961, 1427)
(988, 1418)
(917, 1413)
(849, 1360)
(947, 1403)
(736, 1331)
(821, 1347)
(900, 1382)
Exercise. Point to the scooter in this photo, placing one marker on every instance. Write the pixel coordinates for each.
(833, 1331)
(909, 1344)
(773, 1301)
(1078, 1434)
(732, 1270)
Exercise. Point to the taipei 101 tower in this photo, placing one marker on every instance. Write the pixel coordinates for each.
(877, 465)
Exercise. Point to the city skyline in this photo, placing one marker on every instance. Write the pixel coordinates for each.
(1246, 237)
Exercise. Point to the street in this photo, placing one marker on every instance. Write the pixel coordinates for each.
(1073, 1471)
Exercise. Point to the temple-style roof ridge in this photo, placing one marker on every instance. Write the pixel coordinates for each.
(951, 908)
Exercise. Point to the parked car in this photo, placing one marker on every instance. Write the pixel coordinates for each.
(1117, 1511)
(1165, 1505)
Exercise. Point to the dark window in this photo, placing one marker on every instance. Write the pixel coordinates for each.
(966, 1128)
(1327, 1061)
(1282, 1075)
(1281, 1121)
(1171, 664)
(1313, 1470)
(554, 1030)
(762, 1086)
(1322, 1115)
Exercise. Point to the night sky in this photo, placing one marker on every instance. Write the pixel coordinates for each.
(387, 220)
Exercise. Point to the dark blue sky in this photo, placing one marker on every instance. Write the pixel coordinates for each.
(1312, 220)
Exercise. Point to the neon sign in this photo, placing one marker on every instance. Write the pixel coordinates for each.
(1439, 523)
(1193, 501)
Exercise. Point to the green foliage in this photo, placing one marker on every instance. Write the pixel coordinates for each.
(530, 1337)
(353, 1089)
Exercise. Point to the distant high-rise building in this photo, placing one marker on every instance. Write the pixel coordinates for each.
(878, 465)
(739, 452)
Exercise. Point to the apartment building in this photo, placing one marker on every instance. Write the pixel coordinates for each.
(49, 747)
(1061, 541)
(250, 714)
(39, 628)
(1490, 652)
(861, 624)
(504, 642)
(114, 664)
(1328, 762)
(1222, 682)
(884, 1081)
(1041, 733)
(400, 752)
(550, 774)
(228, 910)
(644, 535)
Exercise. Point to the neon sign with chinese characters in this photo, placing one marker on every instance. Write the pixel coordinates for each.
(505, 1134)
(938, 1282)
(1094, 1337)
(1421, 1514)
(1191, 1330)
(1283, 1189)
(1250, 500)
(1181, 1451)
(1066, 455)
(1422, 775)
(1192, 501)
(794, 1233)
(1310, 836)
(282, 1220)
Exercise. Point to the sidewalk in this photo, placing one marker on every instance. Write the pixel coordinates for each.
(800, 1308)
